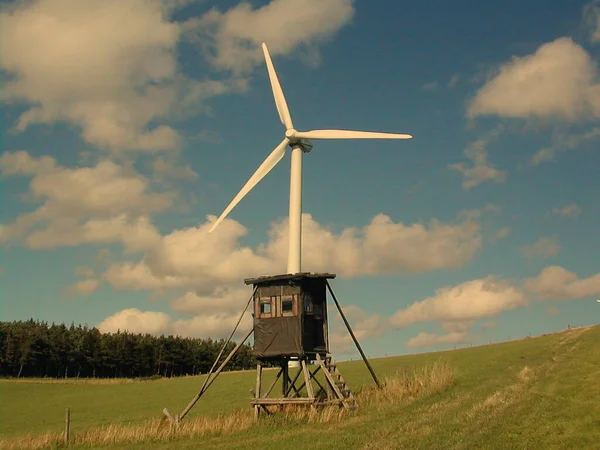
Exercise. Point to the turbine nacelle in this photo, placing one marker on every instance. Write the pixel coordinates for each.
(292, 137)
(306, 145)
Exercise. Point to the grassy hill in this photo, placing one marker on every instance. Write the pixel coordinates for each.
(541, 392)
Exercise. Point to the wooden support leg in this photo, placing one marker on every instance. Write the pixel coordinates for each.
(285, 378)
(309, 386)
(257, 408)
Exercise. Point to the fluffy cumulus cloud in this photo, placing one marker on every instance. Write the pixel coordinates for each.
(559, 80)
(544, 247)
(480, 169)
(233, 38)
(228, 301)
(193, 258)
(109, 67)
(136, 321)
(163, 168)
(423, 340)
(465, 302)
(84, 287)
(557, 283)
(383, 246)
(83, 205)
(201, 326)
(364, 325)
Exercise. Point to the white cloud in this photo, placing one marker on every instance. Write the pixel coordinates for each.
(465, 302)
(591, 20)
(571, 210)
(167, 167)
(553, 310)
(383, 246)
(21, 163)
(100, 204)
(202, 326)
(364, 325)
(232, 39)
(559, 80)
(544, 247)
(565, 142)
(135, 321)
(228, 300)
(556, 283)
(214, 325)
(84, 287)
(192, 258)
(423, 339)
(481, 170)
(109, 67)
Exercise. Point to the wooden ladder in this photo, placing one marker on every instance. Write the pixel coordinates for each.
(337, 382)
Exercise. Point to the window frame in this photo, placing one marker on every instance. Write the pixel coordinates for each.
(293, 300)
(265, 301)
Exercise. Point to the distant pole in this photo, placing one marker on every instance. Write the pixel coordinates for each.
(67, 426)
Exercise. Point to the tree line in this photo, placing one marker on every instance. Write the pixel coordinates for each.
(35, 349)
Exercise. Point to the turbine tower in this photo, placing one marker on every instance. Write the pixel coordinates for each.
(300, 143)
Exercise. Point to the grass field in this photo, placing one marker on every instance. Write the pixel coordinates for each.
(541, 392)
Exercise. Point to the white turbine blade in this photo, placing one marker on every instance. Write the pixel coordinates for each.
(268, 164)
(348, 134)
(280, 103)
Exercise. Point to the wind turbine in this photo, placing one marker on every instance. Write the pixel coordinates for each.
(300, 143)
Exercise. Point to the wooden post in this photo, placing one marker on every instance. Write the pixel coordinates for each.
(309, 386)
(258, 386)
(285, 377)
(67, 426)
(360, 350)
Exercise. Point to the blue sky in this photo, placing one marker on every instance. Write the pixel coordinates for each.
(122, 142)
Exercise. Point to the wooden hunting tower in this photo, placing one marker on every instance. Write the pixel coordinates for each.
(290, 331)
(290, 316)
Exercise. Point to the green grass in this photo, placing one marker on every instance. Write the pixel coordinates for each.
(534, 393)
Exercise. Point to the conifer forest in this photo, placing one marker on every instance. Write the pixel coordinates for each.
(35, 349)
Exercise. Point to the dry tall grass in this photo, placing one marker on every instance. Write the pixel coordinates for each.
(405, 386)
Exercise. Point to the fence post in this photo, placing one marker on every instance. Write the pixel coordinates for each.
(67, 426)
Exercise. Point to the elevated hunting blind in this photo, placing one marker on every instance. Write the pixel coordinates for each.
(290, 316)
(290, 332)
